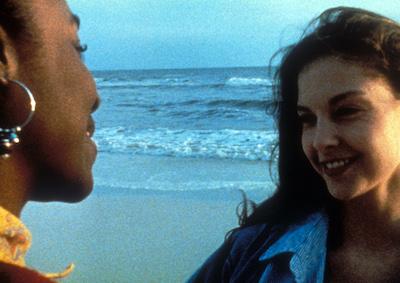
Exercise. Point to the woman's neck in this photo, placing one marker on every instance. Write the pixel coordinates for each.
(369, 250)
(373, 219)
(14, 185)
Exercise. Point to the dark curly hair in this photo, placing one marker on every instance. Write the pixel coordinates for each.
(351, 34)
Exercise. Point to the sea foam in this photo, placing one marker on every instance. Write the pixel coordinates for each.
(173, 82)
(243, 81)
(225, 144)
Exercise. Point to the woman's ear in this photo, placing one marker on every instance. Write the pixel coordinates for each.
(12, 98)
(8, 57)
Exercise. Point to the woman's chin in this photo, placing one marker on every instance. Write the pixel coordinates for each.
(71, 193)
(345, 193)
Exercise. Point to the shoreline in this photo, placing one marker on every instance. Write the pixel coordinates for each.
(163, 174)
(154, 219)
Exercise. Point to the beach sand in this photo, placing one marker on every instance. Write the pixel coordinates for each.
(125, 235)
(128, 238)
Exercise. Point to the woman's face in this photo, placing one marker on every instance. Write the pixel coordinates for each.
(57, 143)
(351, 127)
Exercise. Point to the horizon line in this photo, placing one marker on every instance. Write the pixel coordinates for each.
(179, 68)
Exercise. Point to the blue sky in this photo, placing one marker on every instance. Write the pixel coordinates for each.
(159, 34)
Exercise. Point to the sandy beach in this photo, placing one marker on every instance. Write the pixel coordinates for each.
(122, 233)
(136, 237)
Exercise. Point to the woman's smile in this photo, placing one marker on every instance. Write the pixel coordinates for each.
(336, 167)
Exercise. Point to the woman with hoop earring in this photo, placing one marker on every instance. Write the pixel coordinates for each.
(47, 96)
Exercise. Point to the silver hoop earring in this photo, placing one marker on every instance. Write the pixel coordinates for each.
(10, 136)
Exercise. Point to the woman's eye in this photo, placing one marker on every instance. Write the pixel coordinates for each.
(81, 48)
(346, 111)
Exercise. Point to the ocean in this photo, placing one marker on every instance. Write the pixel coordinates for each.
(215, 115)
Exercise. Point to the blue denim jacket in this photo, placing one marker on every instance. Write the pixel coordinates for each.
(262, 253)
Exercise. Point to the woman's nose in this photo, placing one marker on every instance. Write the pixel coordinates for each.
(325, 135)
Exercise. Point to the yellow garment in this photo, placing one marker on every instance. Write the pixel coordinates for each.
(15, 240)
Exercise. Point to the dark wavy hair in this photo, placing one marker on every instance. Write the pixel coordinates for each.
(351, 34)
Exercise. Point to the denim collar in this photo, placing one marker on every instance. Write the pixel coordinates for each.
(306, 242)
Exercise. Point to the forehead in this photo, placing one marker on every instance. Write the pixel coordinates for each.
(51, 14)
(330, 76)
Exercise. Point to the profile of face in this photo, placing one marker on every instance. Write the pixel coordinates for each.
(350, 120)
(57, 144)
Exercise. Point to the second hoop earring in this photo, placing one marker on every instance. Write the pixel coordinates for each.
(9, 136)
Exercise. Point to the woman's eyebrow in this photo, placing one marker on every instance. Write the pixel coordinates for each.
(342, 96)
(334, 100)
(75, 20)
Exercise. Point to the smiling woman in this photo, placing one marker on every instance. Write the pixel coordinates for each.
(47, 96)
(334, 216)
(351, 125)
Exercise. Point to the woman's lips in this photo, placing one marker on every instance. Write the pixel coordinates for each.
(91, 128)
(336, 167)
